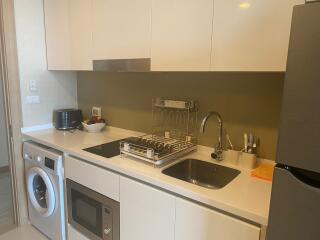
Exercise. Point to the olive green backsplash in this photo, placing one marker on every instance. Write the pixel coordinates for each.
(247, 102)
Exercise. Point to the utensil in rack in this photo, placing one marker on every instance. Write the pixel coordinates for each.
(229, 141)
(245, 139)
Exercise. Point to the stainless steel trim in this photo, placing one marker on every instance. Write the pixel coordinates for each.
(164, 160)
(67, 128)
(107, 223)
(311, 1)
(112, 220)
(179, 148)
(123, 65)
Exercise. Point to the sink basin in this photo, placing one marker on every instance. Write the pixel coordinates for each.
(202, 173)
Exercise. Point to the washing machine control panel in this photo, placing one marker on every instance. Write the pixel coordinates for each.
(49, 163)
(39, 159)
(45, 157)
(28, 156)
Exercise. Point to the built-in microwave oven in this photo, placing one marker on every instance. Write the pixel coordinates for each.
(93, 214)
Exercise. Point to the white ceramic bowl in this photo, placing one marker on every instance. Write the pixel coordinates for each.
(93, 128)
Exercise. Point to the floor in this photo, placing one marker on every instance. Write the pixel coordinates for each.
(8, 231)
(26, 232)
(6, 212)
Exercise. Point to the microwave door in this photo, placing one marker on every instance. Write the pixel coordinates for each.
(94, 215)
(87, 213)
(84, 212)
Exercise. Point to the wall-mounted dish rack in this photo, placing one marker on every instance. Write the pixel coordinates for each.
(173, 133)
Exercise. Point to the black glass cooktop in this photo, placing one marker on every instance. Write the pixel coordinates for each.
(108, 150)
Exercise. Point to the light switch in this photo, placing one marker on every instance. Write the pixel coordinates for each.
(33, 99)
(33, 85)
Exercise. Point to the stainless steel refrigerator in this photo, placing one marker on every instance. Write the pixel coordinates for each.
(295, 200)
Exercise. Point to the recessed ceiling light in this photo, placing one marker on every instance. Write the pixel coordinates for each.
(244, 5)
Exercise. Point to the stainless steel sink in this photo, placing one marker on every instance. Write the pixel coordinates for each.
(202, 173)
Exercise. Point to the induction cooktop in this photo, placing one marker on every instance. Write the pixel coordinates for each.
(107, 150)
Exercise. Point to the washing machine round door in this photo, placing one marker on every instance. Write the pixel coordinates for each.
(41, 191)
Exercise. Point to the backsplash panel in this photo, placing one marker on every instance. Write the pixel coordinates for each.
(247, 102)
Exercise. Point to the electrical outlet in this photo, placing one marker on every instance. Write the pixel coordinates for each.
(33, 99)
(33, 85)
(96, 112)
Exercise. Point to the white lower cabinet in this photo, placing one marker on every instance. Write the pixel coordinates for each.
(145, 212)
(148, 213)
(196, 222)
(73, 234)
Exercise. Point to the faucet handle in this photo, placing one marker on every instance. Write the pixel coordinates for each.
(217, 154)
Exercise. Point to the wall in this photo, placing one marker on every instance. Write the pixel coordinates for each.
(4, 155)
(248, 102)
(56, 89)
(13, 87)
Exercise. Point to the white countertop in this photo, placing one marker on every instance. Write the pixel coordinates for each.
(245, 196)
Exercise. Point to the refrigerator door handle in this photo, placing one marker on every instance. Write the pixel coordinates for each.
(306, 177)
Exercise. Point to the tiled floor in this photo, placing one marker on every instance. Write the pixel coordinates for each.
(6, 212)
(26, 232)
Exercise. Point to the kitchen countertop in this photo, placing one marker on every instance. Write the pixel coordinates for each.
(246, 197)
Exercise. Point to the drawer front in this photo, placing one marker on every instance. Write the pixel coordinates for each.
(196, 222)
(98, 179)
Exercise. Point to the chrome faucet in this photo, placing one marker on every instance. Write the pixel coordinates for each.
(218, 150)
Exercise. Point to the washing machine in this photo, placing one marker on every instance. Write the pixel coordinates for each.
(45, 188)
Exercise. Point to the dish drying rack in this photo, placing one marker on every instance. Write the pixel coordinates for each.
(173, 133)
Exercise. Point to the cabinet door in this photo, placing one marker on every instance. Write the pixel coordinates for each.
(196, 222)
(80, 29)
(251, 35)
(68, 34)
(145, 213)
(57, 34)
(181, 35)
(121, 29)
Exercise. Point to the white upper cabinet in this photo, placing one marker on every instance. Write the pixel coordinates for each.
(57, 34)
(196, 222)
(181, 35)
(178, 35)
(251, 35)
(80, 34)
(68, 34)
(121, 29)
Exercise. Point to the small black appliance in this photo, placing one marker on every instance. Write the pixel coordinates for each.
(67, 119)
